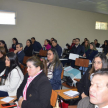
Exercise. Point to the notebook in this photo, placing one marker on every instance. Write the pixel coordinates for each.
(71, 93)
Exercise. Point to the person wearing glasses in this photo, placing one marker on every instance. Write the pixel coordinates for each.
(99, 61)
(54, 67)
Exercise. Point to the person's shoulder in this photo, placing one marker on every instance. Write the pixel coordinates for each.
(84, 103)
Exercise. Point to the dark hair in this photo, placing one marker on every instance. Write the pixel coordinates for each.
(20, 44)
(103, 58)
(54, 40)
(3, 51)
(96, 40)
(87, 45)
(29, 41)
(33, 38)
(78, 39)
(102, 72)
(13, 60)
(5, 46)
(106, 42)
(56, 60)
(15, 40)
(36, 61)
(48, 41)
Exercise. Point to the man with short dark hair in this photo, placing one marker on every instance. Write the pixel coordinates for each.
(56, 46)
(20, 53)
(77, 49)
(36, 45)
(96, 43)
(98, 91)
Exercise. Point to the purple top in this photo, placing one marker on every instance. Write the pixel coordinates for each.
(48, 47)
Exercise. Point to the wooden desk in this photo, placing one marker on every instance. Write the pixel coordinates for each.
(65, 97)
(73, 106)
(1, 102)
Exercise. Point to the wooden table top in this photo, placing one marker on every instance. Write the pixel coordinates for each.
(65, 97)
(73, 106)
(1, 102)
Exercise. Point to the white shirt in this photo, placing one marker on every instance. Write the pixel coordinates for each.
(102, 107)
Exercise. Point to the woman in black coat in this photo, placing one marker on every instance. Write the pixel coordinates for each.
(99, 61)
(39, 89)
(2, 58)
(3, 44)
(28, 50)
(15, 42)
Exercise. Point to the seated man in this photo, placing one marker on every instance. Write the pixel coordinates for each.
(20, 53)
(96, 43)
(98, 91)
(77, 49)
(56, 46)
(36, 45)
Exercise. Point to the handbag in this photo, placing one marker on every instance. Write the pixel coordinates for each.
(69, 81)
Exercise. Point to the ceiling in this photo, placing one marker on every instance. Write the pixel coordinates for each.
(100, 6)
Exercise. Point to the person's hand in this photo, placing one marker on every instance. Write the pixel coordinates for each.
(83, 95)
(0, 79)
(15, 51)
(84, 55)
(20, 102)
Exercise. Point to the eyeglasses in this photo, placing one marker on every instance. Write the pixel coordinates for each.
(99, 62)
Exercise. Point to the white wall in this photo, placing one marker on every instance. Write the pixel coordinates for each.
(45, 21)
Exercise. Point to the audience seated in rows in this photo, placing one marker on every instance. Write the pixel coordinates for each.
(54, 69)
(73, 43)
(86, 45)
(19, 52)
(2, 58)
(12, 74)
(91, 52)
(15, 42)
(99, 61)
(85, 39)
(96, 43)
(36, 45)
(98, 91)
(28, 50)
(35, 90)
(47, 44)
(56, 46)
(3, 44)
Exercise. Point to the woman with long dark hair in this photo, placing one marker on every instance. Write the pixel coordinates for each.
(47, 44)
(12, 74)
(3, 44)
(15, 42)
(2, 58)
(99, 61)
(54, 69)
(28, 50)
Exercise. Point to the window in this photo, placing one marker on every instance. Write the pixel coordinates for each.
(7, 18)
(101, 25)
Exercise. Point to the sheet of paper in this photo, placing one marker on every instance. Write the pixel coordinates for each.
(69, 68)
(7, 99)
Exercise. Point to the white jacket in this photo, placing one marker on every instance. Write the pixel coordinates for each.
(13, 81)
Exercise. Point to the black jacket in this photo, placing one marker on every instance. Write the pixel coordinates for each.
(84, 84)
(38, 92)
(28, 50)
(79, 50)
(20, 56)
(2, 64)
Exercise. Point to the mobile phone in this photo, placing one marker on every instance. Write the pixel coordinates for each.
(8, 105)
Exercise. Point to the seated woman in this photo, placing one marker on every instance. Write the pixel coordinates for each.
(54, 69)
(3, 44)
(2, 58)
(12, 74)
(91, 52)
(15, 42)
(105, 46)
(35, 90)
(86, 45)
(28, 50)
(47, 44)
(99, 61)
